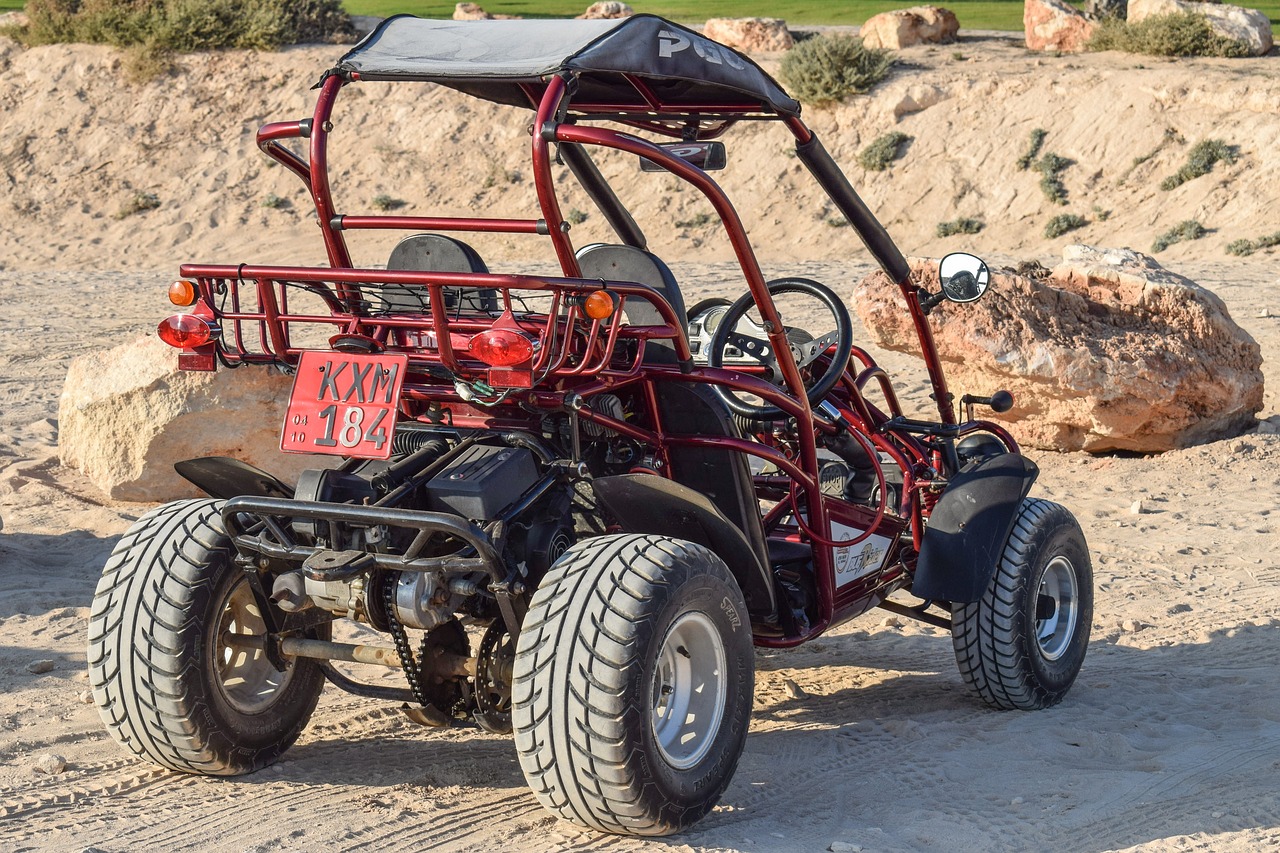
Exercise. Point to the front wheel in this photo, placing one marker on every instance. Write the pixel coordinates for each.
(633, 684)
(175, 651)
(1022, 644)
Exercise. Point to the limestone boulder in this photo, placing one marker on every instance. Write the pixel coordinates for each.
(607, 10)
(475, 12)
(904, 27)
(750, 35)
(1247, 26)
(470, 12)
(128, 414)
(1055, 25)
(1107, 351)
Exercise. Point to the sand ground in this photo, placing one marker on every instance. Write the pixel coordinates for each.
(1170, 739)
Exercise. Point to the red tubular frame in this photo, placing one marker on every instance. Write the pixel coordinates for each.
(555, 122)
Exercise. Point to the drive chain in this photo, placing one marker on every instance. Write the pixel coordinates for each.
(403, 649)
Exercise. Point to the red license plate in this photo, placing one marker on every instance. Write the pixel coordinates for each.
(344, 404)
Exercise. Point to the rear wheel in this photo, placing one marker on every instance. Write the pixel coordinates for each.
(175, 656)
(633, 684)
(1022, 644)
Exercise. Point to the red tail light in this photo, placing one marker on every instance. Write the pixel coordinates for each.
(501, 347)
(184, 331)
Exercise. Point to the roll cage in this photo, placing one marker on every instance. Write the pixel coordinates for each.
(584, 73)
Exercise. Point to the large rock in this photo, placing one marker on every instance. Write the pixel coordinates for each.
(1054, 25)
(476, 12)
(905, 27)
(606, 10)
(1247, 26)
(470, 12)
(1108, 351)
(750, 35)
(126, 415)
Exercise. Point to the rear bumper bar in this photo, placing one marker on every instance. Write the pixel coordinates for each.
(265, 526)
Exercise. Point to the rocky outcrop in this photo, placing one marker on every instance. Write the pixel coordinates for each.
(1055, 25)
(474, 12)
(126, 415)
(1107, 351)
(470, 12)
(904, 27)
(610, 9)
(1247, 26)
(750, 35)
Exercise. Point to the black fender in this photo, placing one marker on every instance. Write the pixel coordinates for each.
(226, 478)
(647, 503)
(969, 527)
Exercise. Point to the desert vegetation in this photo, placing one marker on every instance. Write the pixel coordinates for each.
(963, 225)
(831, 67)
(877, 156)
(152, 31)
(1180, 34)
(1189, 229)
(1243, 246)
(1200, 160)
(1062, 223)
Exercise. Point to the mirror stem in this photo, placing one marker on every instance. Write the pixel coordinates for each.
(928, 301)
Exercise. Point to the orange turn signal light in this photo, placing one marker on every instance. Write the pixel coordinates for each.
(183, 293)
(598, 305)
(184, 331)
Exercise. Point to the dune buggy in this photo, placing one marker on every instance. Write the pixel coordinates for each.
(570, 504)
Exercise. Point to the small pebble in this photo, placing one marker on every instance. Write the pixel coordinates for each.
(1130, 626)
(795, 691)
(51, 764)
(891, 622)
(844, 847)
(1016, 801)
(86, 697)
(40, 666)
(1138, 508)
(1265, 312)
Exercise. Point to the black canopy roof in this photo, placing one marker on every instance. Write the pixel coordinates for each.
(491, 59)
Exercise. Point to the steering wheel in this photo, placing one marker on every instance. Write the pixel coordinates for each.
(739, 337)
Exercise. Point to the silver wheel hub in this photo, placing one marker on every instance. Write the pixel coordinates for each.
(1057, 608)
(249, 682)
(689, 690)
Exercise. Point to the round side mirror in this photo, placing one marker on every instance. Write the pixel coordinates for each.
(964, 277)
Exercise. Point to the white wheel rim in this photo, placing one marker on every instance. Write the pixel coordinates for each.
(689, 690)
(1055, 631)
(248, 680)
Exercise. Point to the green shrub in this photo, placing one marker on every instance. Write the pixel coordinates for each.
(1200, 160)
(1033, 148)
(274, 202)
(138, 203)
(1179, 34)
(963, 225)
(160, 27)
(575, 216)
(697, 221)
(830, 67)
(1050, 167)
(1248, 247)
(877, 156)
(385, 202)
(1062, 223)
(1188, 230)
